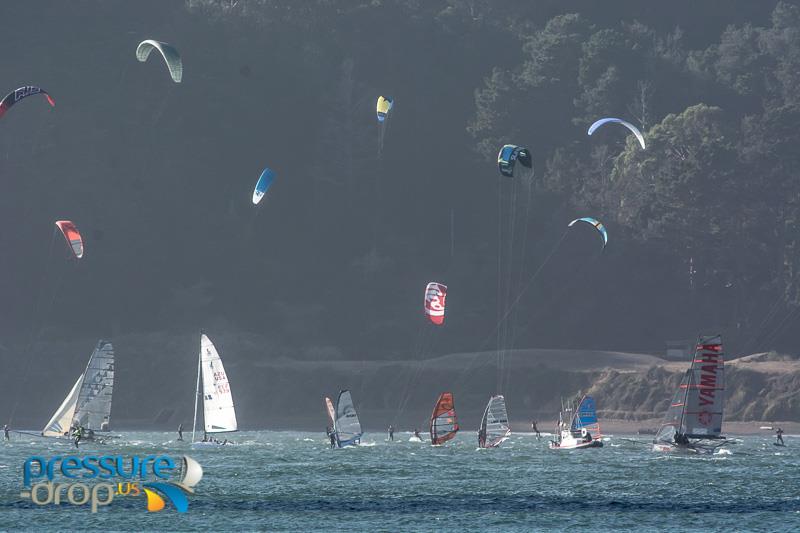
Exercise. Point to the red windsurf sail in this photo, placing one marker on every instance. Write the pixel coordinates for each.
(444, 424)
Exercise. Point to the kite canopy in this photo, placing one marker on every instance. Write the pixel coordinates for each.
(598, 226)
(509, 155)
(262, 185)
(167, 51)
(383, 107)
(23, 92)
(628, 125)
(435, 295)
(73, 237)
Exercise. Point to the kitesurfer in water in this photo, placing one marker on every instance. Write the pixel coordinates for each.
(391, 433)
(416, 434)
(535, 429)
(180, 431)
(5, 432)
(779, 437)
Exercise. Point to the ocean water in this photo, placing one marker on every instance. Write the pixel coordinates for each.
(292, 481)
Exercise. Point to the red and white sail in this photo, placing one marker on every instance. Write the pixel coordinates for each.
(435, 295)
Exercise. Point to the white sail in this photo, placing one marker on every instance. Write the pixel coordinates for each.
(348, 427)
(705, 399)
(494, 424)
(93, 410)
(61, 422)
(218, 413)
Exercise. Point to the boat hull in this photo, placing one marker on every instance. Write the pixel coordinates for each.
(576, 445)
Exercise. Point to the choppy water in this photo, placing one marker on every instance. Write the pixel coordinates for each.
(291, 481)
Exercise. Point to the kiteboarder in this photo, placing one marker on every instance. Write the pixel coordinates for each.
(535, 429)
(391, 433)
(779, 436)
(180, 431)
(416, 434)
(5, 432)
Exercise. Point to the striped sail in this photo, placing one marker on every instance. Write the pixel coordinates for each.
(494, 424)
(93, 410)
(704, 401)
(444, 424)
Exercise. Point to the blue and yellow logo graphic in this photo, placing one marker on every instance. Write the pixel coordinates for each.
(134, 476)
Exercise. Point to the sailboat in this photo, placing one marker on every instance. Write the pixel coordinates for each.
(346, 426)
(88, 404)
(693, 423)
(219, 415)
(583, 429)
(444, 424)
(494, 428)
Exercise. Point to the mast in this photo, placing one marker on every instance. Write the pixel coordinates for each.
(196, 392)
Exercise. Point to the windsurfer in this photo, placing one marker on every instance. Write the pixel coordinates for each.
(535, 429)
(391, 432)
(779, 437)
(332, 436)
(681, 439)
(481, 437)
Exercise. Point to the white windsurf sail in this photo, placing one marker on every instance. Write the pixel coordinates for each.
(494, 424)
(93, 410)
(218, 412)
(61, 421)
(348, 427)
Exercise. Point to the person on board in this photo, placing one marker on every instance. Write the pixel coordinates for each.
(391, 433)
(78, 435)
(180, 431)
(205, 436)
(481, 437)
(332, 436)
(681, 439)
(416, 434)
(535, 429)
(779, 437)
(5, 432)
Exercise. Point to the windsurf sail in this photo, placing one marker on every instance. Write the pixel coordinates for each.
(61, 421)
(218, 413)
(585, 417)
(331, 413)
(494, 424)
(93, 410)
(348, 427)
(444, 424)
(673, 420)
(705, 396)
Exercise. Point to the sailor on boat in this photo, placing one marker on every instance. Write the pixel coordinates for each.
(779, 437)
